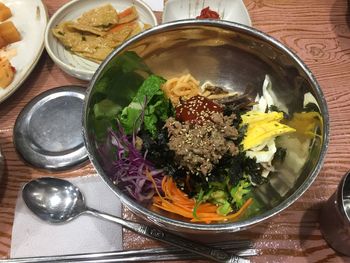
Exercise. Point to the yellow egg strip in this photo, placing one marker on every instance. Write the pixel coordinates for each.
(255, 116)
(263, 127)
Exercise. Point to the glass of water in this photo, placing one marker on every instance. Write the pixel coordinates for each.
(335, 218)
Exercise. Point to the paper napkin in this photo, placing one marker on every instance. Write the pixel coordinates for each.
(85, 234)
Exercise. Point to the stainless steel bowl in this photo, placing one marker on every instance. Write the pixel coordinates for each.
(227, 54)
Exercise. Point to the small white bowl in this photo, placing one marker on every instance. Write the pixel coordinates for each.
(230, 10)
(70, 63)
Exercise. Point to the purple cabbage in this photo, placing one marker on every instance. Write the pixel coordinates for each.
(128, 171)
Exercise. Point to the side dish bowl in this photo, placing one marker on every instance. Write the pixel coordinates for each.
(70, 63)
(228, 55)
(234, 11)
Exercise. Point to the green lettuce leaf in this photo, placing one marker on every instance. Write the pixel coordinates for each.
(113, 91)
(157, 106)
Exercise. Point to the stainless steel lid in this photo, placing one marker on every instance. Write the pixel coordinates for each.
(48, 131)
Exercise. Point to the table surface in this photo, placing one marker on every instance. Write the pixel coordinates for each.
(318, 31)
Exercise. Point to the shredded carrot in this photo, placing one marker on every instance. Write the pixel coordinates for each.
(126, 12)
(128, 15)
(120, 27)
(176, 201)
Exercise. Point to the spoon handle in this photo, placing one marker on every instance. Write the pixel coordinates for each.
(215, 254)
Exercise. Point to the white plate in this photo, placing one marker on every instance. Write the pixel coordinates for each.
(70, 63)
(30, 18)
(230, 10)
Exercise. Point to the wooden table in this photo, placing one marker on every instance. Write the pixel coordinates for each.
(318, 31)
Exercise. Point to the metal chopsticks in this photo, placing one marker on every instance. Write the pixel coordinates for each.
(240, 247)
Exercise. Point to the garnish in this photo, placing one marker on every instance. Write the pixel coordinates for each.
(157, 108)
(176, 201)
(208, 13)
(130, 168)
(197, 109)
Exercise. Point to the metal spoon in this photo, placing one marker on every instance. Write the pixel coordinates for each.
(57, 201)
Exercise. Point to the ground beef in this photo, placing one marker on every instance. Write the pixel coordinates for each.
(198, 147)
